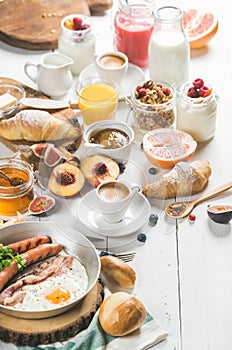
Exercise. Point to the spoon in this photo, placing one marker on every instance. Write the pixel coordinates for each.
(180, 210)
(14, 181)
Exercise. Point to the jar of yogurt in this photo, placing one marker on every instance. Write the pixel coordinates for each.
(169, 51)
(77, 41)
(196, 113)
(133, 24)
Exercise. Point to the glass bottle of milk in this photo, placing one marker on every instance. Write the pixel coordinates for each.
(169, 51)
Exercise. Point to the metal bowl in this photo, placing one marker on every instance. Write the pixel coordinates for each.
(18, 93)
(73, 242)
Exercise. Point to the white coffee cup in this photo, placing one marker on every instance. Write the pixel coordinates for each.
(52, 75)
(112, 64)
(114, 198)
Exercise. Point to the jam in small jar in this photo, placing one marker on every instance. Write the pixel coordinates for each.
(15, 197)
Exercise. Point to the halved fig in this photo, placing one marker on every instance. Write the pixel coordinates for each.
(39, 149)
(41, 205)
(98, 168)
(52, 156)
(66, 180)
(221, 214)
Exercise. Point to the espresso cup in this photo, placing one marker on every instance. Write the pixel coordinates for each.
(114, 198)
(113, 65)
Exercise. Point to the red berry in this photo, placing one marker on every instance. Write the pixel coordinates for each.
(192, 92)
(85, 26)
(139, 87)
(167, 91)
(198, 83)
(192, 217)
(204, 91)
(142, 92)
(77, 23)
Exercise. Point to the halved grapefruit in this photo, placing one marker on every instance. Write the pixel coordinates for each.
(199, 27)
(166, 147)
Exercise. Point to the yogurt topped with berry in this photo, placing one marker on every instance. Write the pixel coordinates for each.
(197, 110)
(77, 41)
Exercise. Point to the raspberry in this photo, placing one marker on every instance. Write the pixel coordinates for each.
(85, 26)
(198, 83)
(192, 217)
(192, 92)
(138, 88)
(204, 91)
(77, 23)
(142, 92)
(167, 91)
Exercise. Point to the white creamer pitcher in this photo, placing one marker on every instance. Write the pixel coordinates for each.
(52, 75)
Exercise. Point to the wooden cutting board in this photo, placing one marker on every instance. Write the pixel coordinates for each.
(35, 24)
(66, 146)
(24, 332)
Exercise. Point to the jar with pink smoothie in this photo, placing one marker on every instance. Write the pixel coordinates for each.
(133, 24)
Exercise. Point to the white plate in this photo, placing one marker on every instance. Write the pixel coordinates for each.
(136, 216)
(134, 76)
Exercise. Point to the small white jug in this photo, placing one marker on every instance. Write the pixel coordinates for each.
(53, 75)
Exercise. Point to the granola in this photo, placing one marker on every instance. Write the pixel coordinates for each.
(153, 106)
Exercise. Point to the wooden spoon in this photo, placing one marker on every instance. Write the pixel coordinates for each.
(14, 181)
(180, 210)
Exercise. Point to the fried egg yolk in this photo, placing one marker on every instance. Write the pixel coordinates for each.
(58, 295)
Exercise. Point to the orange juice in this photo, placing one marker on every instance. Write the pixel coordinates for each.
(97, 102)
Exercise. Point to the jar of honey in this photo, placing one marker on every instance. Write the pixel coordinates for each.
(15, 197)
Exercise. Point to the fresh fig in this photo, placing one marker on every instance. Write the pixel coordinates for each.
(52, 156)
(39, 149)
(221, 214)
(41, 205)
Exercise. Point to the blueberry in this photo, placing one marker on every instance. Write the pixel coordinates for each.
(142, 237)
(152, 171)
(153, 218)
(122, 167)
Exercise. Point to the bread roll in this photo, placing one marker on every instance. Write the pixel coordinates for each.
(183, 180)
(121, 313)
(37, 125)
(118, 271)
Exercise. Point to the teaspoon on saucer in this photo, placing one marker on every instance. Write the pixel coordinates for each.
(180, 210)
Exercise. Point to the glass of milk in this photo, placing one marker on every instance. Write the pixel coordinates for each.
(169, 51)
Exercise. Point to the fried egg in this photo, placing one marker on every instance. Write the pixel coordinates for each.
(56, 290)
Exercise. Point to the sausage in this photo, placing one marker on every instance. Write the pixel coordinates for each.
(41, 252)
(30, 243)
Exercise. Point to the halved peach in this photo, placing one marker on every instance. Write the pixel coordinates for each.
(66, 180)
(98, 168)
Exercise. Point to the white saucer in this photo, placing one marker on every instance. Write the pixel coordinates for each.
(134, 76)
(135, 217)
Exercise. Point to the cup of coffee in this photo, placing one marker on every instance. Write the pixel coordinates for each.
(113, 65)
(113, 199)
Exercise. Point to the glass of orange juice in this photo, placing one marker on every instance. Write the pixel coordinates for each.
(97, 99)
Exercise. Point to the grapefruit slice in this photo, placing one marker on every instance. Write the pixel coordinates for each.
(166, 147)
(199, 27)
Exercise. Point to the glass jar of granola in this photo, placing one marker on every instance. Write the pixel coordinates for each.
(153, 105)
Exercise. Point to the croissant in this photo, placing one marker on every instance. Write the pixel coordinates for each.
(184, 179)
(36, 125)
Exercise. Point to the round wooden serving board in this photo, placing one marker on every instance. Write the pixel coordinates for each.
(24, 332)
(35, 24)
